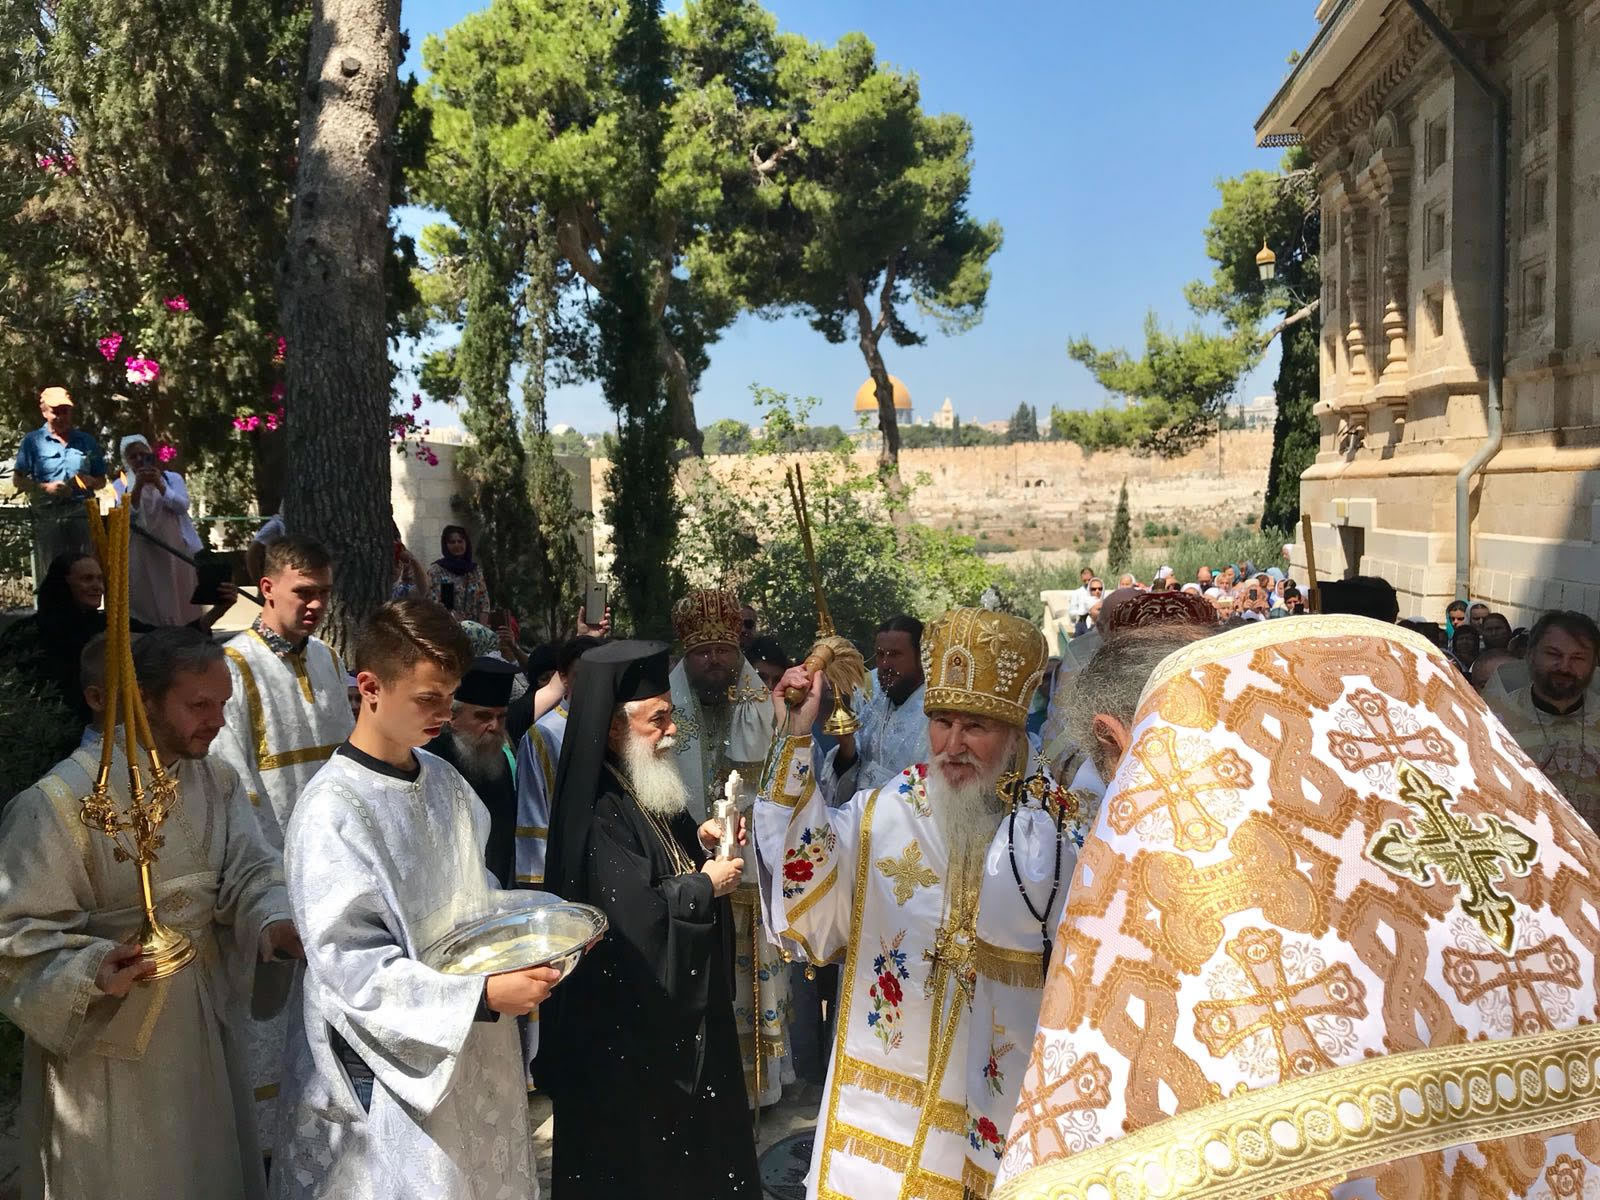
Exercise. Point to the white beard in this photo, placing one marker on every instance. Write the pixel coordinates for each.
(654, 777)
(970, 811)
(483, 758)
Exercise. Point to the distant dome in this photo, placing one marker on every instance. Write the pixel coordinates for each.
(867, 396)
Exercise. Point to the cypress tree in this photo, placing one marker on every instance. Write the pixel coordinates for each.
(1119, 551)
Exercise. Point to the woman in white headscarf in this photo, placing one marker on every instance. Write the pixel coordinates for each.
(159, 584)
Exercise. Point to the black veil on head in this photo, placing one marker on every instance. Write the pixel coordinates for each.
(605, 677)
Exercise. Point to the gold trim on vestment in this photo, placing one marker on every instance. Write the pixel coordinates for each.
(780, 775)
(1016, 968)
(293, 758)
(1258, 635)
(547, 770)
(805, 903)
(296, 664)
(1261, 1143)
(533, 831)
(976, 1183)
(252, 700)
(530, 878)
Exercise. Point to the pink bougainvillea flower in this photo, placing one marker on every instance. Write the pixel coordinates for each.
(67, 163)
(433, 459)
(141, 370)
(272, 420)
(177, 303)
(416, 403)
(277, 393)
(109, 345)
(238, 423)
(166, 452)
(44, 161)
(281, 348)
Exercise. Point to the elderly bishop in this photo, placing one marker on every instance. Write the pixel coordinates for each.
(940, 890)
(724, 725)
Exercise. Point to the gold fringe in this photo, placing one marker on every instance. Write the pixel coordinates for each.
(1016, 968)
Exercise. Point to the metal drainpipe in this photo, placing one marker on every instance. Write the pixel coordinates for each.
(1495, 402)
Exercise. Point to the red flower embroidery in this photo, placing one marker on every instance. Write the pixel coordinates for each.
(889, 988)
(798, 869)
(988, 1132)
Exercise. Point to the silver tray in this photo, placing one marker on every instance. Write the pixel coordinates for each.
(533, 929)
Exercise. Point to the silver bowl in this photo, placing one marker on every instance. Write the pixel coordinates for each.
(531, 929)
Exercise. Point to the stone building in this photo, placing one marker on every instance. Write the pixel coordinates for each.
(1403, 136)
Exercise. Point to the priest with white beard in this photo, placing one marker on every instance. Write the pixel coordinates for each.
(724, 718)
(940, 890)
(638, 1050)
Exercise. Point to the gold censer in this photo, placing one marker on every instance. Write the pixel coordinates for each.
(136, 831)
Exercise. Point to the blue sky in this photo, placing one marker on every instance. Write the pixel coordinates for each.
(1100, 132)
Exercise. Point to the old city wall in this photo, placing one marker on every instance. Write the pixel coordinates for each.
(1036, 496)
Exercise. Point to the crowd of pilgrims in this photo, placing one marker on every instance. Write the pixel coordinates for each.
(927, 916)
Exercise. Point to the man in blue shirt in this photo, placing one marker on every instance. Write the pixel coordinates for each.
(58, 466)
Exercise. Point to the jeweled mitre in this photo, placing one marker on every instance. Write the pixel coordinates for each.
(984, 663)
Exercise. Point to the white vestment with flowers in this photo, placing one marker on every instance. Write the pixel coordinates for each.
(928, 1048)
(286, 716)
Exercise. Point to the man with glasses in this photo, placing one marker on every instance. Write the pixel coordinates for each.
(1078, 599)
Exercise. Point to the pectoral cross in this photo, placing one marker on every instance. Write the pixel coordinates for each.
(954, 952)
(1463, 854)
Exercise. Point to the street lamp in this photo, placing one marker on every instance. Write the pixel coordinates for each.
(1267, 262)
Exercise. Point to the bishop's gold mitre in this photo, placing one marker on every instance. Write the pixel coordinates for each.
(984, 663)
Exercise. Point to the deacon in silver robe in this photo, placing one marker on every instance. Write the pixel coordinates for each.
(940, 891)
(894, 728)
(146, 1096)
(290, 707)
(379, 867)
(724, 717)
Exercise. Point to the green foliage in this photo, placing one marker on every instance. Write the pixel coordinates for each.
(558, 567)
(863, 200)
(1120, 549)
(170, 129)
(726, 436)
(1177, 391)
(740, 532)
(1178, 387)
(1024, 425)
(926, 437)
(1295, 434)
(24, 704)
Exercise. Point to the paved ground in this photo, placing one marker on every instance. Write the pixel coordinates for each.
(796, 1111)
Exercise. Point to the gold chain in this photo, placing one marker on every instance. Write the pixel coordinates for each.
(682, 864)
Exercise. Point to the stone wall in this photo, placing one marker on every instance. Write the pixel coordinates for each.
(1038, 495)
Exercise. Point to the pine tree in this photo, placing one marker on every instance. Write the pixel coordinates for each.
(1119, 552)
(1295, 432)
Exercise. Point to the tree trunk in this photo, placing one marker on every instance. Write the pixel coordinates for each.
(868, 332)
(337, 487)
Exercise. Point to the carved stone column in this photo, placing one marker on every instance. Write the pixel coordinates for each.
(1390, 176)
(1359, 375)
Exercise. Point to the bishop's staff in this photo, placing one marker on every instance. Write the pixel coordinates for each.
(136, 831)
(836, 657)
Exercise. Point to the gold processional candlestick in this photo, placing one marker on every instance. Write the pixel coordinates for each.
(836, 657)
(135, 832)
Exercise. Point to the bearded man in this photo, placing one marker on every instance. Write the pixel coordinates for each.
(1323, 883)
(894, 730)
(638, 1048)
(721, 709)
(1551, 716)
(475, 744)
(132, 1086)
(942, 907)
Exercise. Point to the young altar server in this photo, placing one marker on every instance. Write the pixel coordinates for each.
(403, 1082)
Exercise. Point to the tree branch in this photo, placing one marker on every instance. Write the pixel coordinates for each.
(570, 241)
(1293, 318)
(765, 166)
(885, 303)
